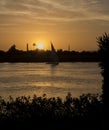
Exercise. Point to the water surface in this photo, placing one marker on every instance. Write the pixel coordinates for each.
(17, 79)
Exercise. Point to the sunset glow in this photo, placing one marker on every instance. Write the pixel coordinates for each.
(40, 46)
(77, 23)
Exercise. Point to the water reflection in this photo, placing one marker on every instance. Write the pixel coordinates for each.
(39, 78)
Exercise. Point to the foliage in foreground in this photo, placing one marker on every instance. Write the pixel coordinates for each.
(103, 43)
(72, 112)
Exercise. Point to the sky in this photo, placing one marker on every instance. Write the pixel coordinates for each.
(64, 22)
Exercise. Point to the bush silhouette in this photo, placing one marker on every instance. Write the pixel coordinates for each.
(42, 111)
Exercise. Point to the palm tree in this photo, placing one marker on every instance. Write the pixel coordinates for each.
(34, 45)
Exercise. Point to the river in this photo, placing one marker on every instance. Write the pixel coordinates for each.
(19, 79)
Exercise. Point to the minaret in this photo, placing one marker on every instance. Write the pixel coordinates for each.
(68, 47)
(27, 47)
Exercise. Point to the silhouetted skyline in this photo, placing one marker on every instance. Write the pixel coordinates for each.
(13, 54)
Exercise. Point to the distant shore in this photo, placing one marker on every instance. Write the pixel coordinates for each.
(15, 55)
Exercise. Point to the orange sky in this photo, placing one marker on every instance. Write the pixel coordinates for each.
(64, 22)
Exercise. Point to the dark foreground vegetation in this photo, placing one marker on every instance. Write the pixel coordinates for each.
(24, 112)
(103, 44)
(15, 55)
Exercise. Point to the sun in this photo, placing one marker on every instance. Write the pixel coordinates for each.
(40, 46)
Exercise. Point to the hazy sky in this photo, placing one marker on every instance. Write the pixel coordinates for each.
(64, 22)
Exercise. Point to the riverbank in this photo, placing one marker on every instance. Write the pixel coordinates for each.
(14, 55)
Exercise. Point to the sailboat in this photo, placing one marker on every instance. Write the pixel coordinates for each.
(54, 60)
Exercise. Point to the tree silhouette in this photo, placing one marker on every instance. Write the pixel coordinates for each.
(103, 43)
(12, 49)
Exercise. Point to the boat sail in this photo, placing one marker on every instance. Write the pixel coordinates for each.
(54, 60)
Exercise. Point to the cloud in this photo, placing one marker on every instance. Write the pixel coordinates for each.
(52, 11)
